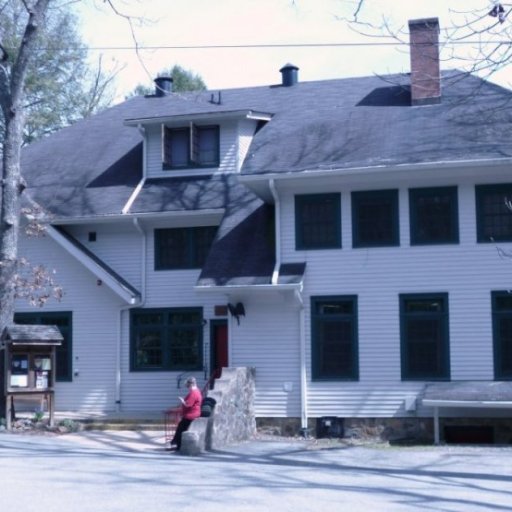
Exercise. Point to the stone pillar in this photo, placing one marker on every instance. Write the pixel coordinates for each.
(233, 419)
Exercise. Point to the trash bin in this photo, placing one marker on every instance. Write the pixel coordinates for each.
(329, 426)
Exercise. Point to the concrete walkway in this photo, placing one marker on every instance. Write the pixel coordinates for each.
(131, 472)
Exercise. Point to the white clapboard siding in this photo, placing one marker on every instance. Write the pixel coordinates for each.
(467, 271)
(153, 391)
(246, 129)
(268, 340)
(95, 313)
(119, 245)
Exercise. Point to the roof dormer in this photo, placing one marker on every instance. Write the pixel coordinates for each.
(198, 143)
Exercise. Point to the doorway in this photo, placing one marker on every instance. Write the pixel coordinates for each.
(219, 354)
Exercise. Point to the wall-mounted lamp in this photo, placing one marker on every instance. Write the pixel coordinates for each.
(237, 311)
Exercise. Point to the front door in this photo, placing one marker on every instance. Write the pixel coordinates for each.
(219, 346)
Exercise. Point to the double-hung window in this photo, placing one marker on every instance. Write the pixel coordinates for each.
(424, 337)
(375, 218)
(191, 146)
(493, 216)
(64, 352)
(317, 221)
(334, 338)
(502, 334)
(433, 216)
(166, 339)
(182, 248)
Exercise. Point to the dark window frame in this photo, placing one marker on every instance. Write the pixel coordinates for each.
(168, 340)
(319, 320)
(303, 201)
(422, 234)
(192, 256)
(64, 351)
(480, 195)
(442, 318)
(501, 372)
(195, 157)
(358, 198)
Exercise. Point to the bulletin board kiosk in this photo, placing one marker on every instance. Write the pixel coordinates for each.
(29, 365)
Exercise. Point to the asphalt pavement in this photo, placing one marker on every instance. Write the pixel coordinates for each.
(131, 472)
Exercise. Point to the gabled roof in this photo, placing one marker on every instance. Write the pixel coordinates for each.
(32, 334)
(93, 167)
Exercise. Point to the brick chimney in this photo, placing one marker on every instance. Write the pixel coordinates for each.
(425, 69)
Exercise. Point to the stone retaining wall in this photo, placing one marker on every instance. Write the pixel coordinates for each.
(414, 430)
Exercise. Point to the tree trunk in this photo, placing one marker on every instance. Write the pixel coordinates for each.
(10, 216)
(12, 85)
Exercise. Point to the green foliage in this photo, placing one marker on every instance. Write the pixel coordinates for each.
(38, 416)
(182, 80)
(60, 87)
(69, 425)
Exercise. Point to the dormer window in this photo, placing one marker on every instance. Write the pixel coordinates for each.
(192, 146)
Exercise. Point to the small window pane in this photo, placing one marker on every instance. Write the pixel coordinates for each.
(171, 248)
(424, 337)
(494, 218)
(208, 145)
(433, 215)
(182, 248)
(334, 338)
(203, 239)
(179, 144)
(502, 335)
(317, 221)
(148, 348)
(375, 218)
(166, 339)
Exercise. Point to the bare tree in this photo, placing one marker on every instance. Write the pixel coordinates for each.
(12, 87)
(478, 40)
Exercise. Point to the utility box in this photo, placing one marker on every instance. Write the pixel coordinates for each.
(29, 364)
(330, 426)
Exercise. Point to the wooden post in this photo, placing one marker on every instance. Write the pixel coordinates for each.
(8, 412)
(436, 425)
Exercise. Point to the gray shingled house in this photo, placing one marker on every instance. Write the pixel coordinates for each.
(339, 236)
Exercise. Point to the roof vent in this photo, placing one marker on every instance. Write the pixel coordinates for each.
(163, 85)
(289, 74)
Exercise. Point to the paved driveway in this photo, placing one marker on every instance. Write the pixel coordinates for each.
(130, 472)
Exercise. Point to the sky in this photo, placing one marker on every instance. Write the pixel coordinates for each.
(170, 24)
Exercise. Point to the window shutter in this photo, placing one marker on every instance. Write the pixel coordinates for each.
(166, 145)
(194, 143)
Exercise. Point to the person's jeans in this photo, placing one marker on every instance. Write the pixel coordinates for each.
(182, 427)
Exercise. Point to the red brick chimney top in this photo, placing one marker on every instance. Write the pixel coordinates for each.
(425, 68)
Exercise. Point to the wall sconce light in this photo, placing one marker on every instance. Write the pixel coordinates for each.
(237, 311)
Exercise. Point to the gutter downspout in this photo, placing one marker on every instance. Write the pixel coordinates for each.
(119, 344)
(277, 203)
(302, 323)
(139, 228)
(302, 362)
